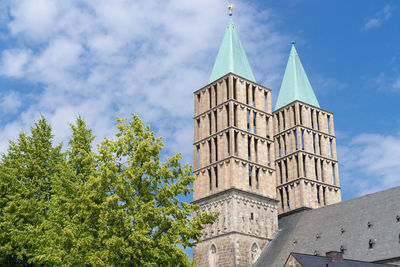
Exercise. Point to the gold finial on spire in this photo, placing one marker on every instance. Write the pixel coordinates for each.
(230, 7)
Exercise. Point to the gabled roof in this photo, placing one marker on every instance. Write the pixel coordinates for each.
(349, 226)
(295, 83)
(318, 261)
(231, 56)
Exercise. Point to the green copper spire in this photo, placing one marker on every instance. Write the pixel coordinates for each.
(231, 56)
(295, 84)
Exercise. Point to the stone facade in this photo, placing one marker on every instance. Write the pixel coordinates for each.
(245, 226)
(238, 144)
(306, 160)
(234, 161)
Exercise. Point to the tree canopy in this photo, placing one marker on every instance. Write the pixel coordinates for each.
(118, 205)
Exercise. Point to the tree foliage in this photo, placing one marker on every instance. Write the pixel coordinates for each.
(116, 206)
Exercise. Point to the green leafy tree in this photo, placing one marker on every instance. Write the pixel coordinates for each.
(118, 206)
(27, 173)
(143, 221)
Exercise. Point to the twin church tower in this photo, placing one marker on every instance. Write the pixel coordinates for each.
(254, 165)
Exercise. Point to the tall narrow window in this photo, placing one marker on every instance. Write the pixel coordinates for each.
(312, 118)
(294, 114)
(318, 197)
(257, 173)
(234, 115)
(216, 121)
(216, 148)
(235, 137)
(316, 169)
(249, 148)
(322, 171)
(248, 120)
(284, 143)
(286, 171)
(227, 88)
(209, 123)
(254, 122)
(319, 144)
(278, 122)
(253, 93)
(297, 166)
(247, 94)
(216, 95)
(198, 103)
(317, 120)
(287, 196)
(324, 195)
(210, 178)
(302, 138)
(265, 101)
(281, 194)
(304, 165)
(279, 146)
(228, 143)
(280, 171)
(234, 88)
(267, 125)
(328, 118)
(216, 176)
(198, 156)
(301, 114)
(227, 115)
(250, 173)
(330, 147)
(333, 174)
(210, 151)
(295, 139)
(209, 96)
(256, 148)
(313, 140)
(198, 129)
(269, 153)
(283, 120)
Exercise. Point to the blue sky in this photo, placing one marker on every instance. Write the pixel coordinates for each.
(103, 59)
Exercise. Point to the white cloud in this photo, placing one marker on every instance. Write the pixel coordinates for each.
(13, 62)
(103, 59)
(10, 102)
(380, 17)
(370, 162)
(396, 84)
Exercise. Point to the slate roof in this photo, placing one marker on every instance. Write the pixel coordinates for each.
(295, 84)
(317, 261)
(349, 226)
(231, 56)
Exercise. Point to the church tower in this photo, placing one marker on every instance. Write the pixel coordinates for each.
(305, 144)
(234, 160)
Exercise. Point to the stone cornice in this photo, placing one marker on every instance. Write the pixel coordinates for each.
(235, 128)
(237, 233)
(305, 128)
(304, 104)
(306, 180)
(290, 155)
(234, 75)
(228, 159)
(234, 193)
(224, 103)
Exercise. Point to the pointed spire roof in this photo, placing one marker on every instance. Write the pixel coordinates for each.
(295, 84)
(231, 56)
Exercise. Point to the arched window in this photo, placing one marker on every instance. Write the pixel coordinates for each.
(213, 256)
(255, 252)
